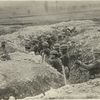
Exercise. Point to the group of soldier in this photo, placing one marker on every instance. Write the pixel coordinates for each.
(53, 50)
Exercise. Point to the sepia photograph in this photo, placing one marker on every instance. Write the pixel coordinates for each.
(49, 49)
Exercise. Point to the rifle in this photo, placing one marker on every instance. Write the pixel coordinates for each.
(93, 53)
(63, 69)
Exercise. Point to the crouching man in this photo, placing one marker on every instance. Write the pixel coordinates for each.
(93, 68)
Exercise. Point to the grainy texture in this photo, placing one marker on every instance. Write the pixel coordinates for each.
(16, 40)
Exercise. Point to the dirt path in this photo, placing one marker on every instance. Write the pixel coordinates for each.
(89, 90)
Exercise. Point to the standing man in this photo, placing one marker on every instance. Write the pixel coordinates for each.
(65, 59)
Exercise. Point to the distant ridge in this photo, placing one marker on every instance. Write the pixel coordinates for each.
(44, 12)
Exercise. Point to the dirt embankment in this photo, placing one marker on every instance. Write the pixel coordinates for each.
(24, 76)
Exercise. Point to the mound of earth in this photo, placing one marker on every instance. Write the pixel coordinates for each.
(22, 76)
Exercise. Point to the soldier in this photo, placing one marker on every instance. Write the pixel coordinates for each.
(5, 55)
(34, 45)
(59, 38)
(93, 68)
(56, 47)
(54, 61)
(49, 41)
(35, 49)
(66, 31)
(40, 47)
(53, 38)
(46, 51)
(65, 58)
(3, 45)
(27, 47)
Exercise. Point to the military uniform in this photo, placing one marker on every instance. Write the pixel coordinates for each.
(93, 68)
(46, 51)
(56, 47)
(4, 55)
(64, 57)
(54, 61)
(66, 31)
(65, 60)
(35, 49)
(48, 40)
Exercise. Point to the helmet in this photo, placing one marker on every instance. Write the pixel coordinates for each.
(56, 45)
(63, 42)
(45, 44)
(3, 43)
(53, 52)
(96, 51)
(63, 47)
